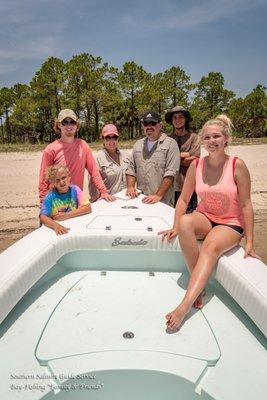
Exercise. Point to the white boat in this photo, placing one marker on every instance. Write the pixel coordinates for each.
(82, 315)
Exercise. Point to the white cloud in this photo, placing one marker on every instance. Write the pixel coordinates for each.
(207, 11)
(28, 31)
(179, 14)
(7, 68)
(33, 30)
(34, 49)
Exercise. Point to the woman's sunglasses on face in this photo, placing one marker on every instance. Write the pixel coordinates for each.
(109, 138)
(66, 122)
(150, 123)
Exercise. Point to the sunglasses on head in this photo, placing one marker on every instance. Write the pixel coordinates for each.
(108, 138)
(147, 123)
(66, 122)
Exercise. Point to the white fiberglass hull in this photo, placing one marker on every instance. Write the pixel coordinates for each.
(83, 315)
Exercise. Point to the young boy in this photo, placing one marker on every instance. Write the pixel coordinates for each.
(64, 201)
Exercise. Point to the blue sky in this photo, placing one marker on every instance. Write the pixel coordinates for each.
(200, 36)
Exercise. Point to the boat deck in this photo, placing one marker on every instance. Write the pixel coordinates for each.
(88, 308)
(93, 321)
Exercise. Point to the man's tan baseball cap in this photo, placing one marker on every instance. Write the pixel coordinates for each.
(67, 113)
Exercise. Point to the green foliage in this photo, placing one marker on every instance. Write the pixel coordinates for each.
(46, 92)
(101, 94)
(131, 82)
(6, 103)
(249, 114)
(210, 98)
(177, 86)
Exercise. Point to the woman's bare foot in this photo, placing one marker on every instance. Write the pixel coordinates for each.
(176, 317)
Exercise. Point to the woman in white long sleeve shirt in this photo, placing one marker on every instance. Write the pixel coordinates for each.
(112, 163)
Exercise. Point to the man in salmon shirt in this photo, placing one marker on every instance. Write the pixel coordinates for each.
(72, 152)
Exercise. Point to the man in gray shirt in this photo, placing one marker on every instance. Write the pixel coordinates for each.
(154, 163)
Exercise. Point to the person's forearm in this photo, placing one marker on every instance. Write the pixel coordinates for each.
(165, 186)
(95, 175)
(131, 180)
(43, 186)
(47, 221)
(186, 161)
(82, 210)
(50, 223)
(249, 222)
(180, 210)
(98, 181)
(184, 154)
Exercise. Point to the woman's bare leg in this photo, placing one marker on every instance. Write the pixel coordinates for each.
(218, 240)
(192, 227)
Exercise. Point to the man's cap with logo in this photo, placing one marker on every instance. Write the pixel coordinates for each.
(109, 129)
(67, 113)
(177, 109)
(151, 116)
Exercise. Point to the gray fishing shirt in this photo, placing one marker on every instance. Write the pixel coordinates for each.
(113, 174)
(149, 168)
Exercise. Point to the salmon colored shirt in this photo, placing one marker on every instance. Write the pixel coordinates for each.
(76, 156)
(220, 202)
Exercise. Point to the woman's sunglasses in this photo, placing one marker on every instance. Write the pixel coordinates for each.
(109, 138)
(66, 122)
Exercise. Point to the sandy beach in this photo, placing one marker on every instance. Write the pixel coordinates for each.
(19, 196)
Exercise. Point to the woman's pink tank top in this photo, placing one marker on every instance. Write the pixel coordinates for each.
(220, 202)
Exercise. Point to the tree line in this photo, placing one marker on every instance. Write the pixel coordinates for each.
(100, 94)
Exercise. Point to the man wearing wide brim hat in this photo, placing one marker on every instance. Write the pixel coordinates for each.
(189, 146)
(178, 109)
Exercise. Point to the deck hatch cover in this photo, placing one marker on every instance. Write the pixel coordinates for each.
(128, 223)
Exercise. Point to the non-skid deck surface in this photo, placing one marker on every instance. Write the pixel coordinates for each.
(131, 222)
(93, 316)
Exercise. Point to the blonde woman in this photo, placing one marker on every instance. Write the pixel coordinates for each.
(223, 215)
